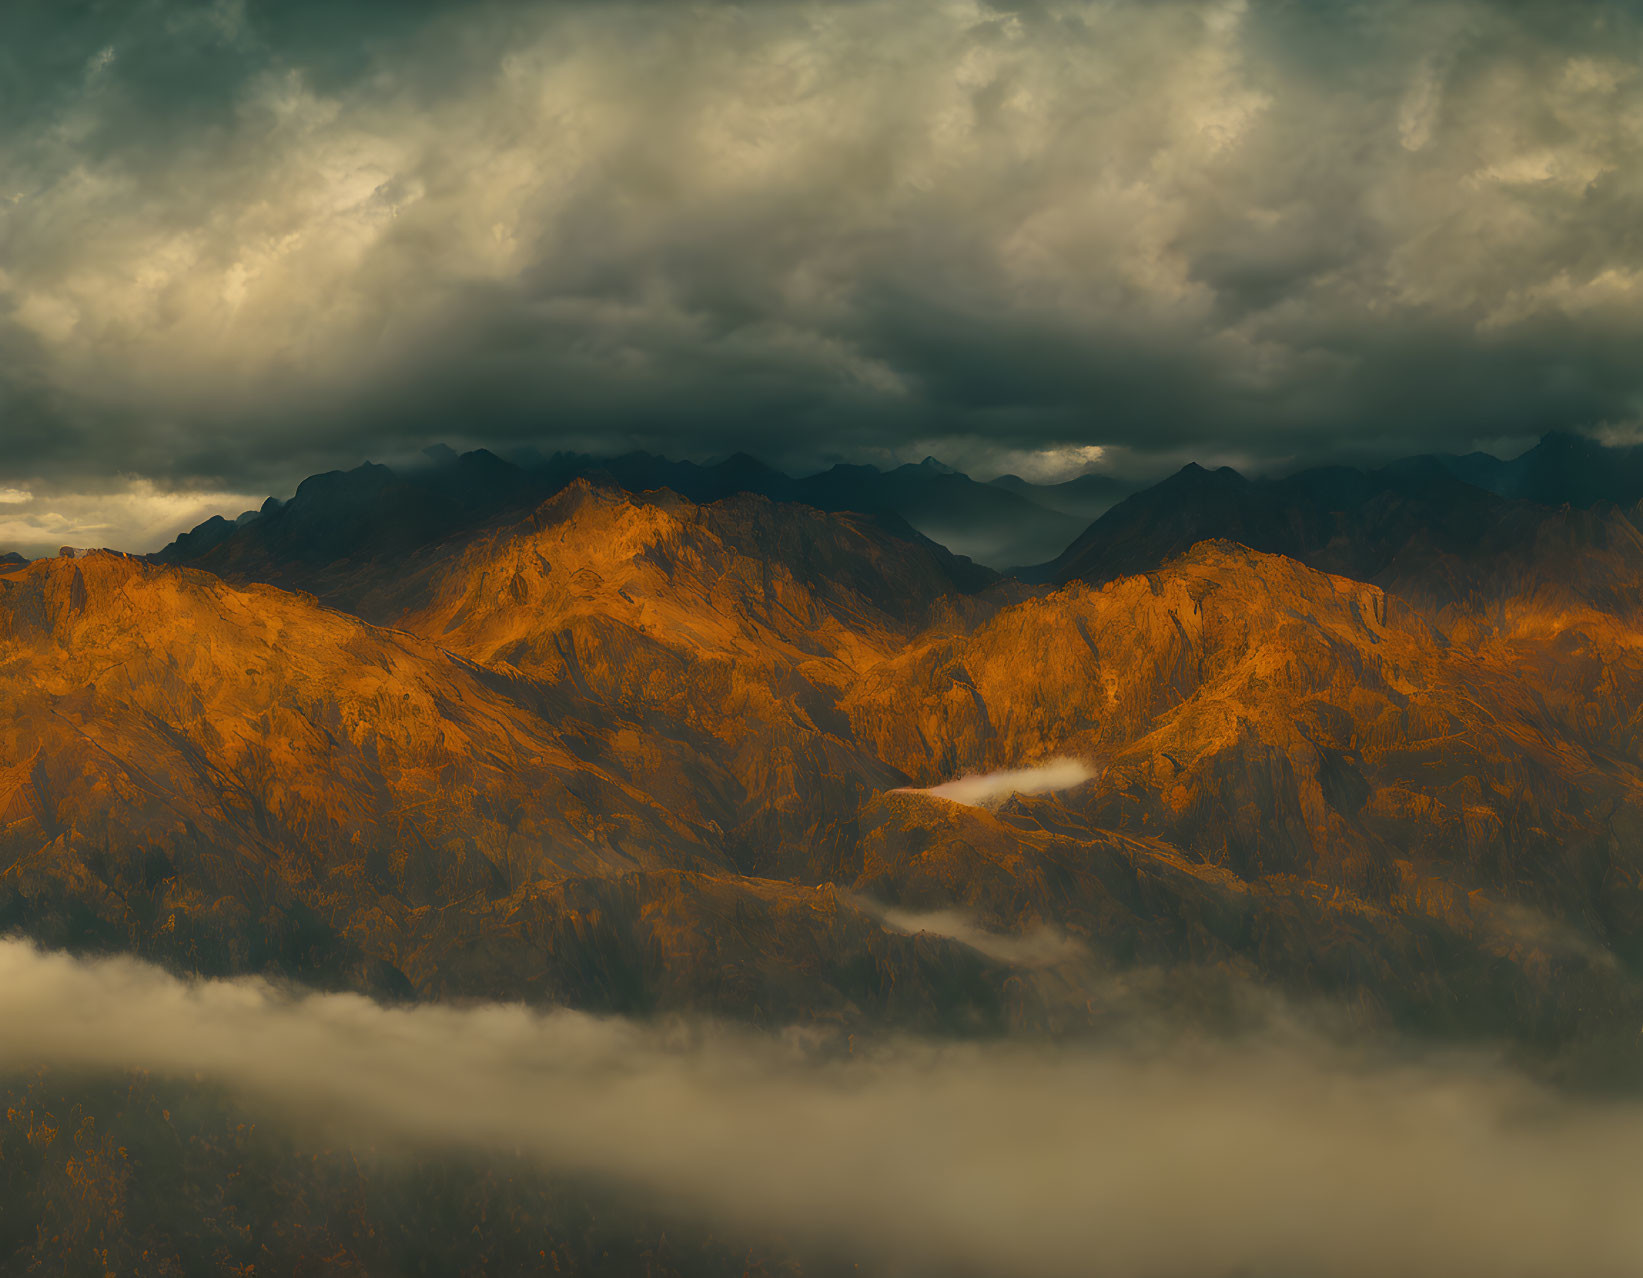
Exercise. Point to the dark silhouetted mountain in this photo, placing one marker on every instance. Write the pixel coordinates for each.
(362, 515)
(986, 522)
(11, 558)
(346, 536)
(1085, 497)
(1398, 520)
(1462, 554)
(1161, 522)
(647, 472)
(373, 513)
(1562, 469)
(207, 536)
(978, 521)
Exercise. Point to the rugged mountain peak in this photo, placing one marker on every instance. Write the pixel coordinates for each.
(1559, 443)
(1194, 476)
(1072, 672)
(747, 471)
(1563, 468)
(343, 521)
(1275, 582)
(334, 485)
(1411, 525)
(731, 576)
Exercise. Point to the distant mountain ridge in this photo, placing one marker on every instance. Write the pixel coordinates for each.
(1085, 497)
(1348, 521)
(1451, 534)
(374, 510)
(1562, 469)
(1007, 523)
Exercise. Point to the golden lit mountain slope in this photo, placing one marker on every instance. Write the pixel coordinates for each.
(743, 578)
(1088, 670)
(1303, 746)
(697, 650)
(555, 774)
(149, 715)
(239, 778)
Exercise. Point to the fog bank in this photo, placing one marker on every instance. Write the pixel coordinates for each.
(1274, 1157)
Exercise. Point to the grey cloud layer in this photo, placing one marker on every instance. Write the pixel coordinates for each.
(1275, 1157)
(241, 241)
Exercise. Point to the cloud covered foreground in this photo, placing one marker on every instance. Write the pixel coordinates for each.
(1280, 1157)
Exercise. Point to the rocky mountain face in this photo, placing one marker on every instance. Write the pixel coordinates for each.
(702, 651)
(640, 752)
(1267, 729)
(243, 779)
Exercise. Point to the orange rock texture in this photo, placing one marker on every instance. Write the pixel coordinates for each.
(634, 752)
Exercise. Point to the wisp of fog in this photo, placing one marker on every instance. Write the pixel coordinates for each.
(1276, 1156)
(1043, 946)
(988, 789)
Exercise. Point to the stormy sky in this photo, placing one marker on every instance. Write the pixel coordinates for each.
(242, 241)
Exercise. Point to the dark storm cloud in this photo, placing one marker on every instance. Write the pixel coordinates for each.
(240, 241)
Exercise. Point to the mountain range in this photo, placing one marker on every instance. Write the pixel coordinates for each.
(1094, 524)
(1363, 737)
(374, 510)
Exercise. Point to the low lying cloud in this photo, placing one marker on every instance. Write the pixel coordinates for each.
(1276, 1157)
(988, 789)
(1040, 947)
